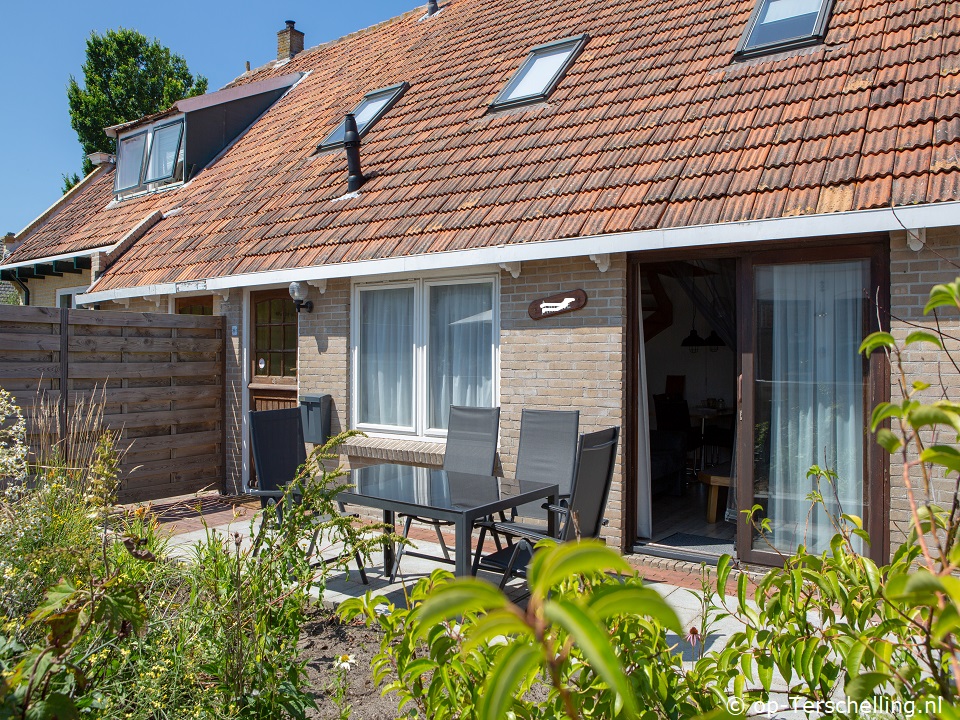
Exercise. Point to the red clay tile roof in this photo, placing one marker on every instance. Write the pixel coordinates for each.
(653, 126)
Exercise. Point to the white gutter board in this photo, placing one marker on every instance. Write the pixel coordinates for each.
(799, 227)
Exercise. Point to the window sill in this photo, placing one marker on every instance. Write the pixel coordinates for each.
(417, 452)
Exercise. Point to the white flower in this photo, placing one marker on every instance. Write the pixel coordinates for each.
(344, 662)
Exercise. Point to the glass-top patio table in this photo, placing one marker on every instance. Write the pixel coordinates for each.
(440, 495)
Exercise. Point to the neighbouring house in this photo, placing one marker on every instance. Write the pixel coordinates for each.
(680, 218)
(8, 292)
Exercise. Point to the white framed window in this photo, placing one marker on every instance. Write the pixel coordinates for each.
(130, 160)
(67, 297)
(150, 158)
(420, 346)
(164, 151)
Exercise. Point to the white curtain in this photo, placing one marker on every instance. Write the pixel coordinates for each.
(385, 363)
(460, 349)
(816, 393)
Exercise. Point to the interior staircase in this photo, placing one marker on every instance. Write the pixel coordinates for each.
(655, 303)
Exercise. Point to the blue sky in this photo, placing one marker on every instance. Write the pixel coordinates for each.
(42, 44)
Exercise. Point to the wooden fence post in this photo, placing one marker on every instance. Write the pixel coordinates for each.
(64, 372)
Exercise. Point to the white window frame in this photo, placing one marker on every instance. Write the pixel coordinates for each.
(61, 292)
(421, 328)
(144, 186)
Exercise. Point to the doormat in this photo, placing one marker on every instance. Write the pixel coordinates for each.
(698, 543)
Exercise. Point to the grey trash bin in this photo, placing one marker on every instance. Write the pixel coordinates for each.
(315, 411)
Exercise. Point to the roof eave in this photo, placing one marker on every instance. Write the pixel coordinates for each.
(46, 259)
(854, 222)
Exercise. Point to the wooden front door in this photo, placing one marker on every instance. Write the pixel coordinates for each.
(273, 353)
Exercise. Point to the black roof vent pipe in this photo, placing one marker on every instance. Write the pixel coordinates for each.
(351, 143)
(432, 7)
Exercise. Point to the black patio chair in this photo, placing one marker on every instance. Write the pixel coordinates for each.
(581, 517)
(547, 453)
(279, 451)
(471, 448)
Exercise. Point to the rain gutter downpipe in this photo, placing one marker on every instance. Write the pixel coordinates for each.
(24, 289)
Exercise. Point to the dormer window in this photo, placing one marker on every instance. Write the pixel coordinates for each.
(778, 25)
(130, 160)
(150, 157)
(374, 106)
(543, 69)
(164, 151)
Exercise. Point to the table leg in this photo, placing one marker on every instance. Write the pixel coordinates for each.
(388, 549)
(463, 528)
(552, 517)
(712, 492)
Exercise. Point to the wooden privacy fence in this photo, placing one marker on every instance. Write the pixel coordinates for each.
(162, 378)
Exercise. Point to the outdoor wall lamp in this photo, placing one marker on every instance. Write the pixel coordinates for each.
(298, 291)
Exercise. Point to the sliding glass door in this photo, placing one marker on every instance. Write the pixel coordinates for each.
(806, 401)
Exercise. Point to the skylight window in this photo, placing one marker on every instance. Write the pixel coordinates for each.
(544, 67)
(777, 25)
(130, 160)
(164, 150)
(374, 106)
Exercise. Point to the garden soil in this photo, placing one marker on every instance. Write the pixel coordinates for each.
(323, 639)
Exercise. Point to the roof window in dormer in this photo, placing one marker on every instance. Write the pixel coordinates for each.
(543, 69)
(374, 106)
(778, 25)
(150, 158)
(130, 160)
(164, 151)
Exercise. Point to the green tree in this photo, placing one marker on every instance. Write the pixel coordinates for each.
(125, 76)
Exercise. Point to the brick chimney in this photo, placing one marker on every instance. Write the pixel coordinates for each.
(289, 41)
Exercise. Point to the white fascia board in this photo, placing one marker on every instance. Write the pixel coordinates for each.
(62, 256)
(790, 228)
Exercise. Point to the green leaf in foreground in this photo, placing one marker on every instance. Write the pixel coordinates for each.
(943, 455)
(875, 341)
(587, 632)
(922, 336)
(513, 665)
(607, 602)
(862, 686)
(464, 595)
(572, 559)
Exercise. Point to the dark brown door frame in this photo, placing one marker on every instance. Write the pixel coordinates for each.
(875, 248)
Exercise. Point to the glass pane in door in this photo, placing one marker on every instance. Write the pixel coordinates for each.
(809, 397)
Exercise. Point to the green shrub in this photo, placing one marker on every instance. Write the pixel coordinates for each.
(100, 618)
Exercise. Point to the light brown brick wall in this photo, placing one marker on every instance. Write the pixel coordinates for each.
(43, 293)
(574, 361)
(912, 274)
(324, 353)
